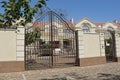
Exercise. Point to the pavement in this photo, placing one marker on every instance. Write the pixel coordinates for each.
(108, 71)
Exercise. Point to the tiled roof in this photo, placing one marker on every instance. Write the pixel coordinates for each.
(71, 24)
(39, 24)
(42, 24)
(118, 24)
(99, 24)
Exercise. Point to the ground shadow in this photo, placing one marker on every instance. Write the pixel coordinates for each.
(105, 76)
(68, 76)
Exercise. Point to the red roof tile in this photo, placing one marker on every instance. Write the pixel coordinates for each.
(41, 24)
(118, 24)
(99, 24)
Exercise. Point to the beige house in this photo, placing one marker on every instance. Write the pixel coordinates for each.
(60, 33)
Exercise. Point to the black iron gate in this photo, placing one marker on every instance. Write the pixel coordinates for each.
(110, 48)
(50, 42)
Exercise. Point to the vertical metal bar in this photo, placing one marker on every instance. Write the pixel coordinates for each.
(49, 41)
(25, 63)
(114, 43)
(74, 46)
(51, 15)
(77, 47)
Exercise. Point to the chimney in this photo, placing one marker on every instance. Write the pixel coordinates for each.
(71, 20)
(115, 21)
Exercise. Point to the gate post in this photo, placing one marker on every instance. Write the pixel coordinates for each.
(117, 40)
(79, 46)
(102, 44)
(20, 51)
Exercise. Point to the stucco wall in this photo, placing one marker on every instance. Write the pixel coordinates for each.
(117, 38)
(91, 45)
(7, 45)
(118, 51)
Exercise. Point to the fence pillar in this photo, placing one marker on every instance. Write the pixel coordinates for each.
(102, 44)
(117, 40)
(79, 46)
(20, 45)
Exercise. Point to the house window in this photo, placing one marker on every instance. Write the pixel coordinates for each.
(66, 31)
(55, 29)
(110, 28)
(85, 27)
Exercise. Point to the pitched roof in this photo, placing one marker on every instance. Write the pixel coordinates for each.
(42, 24)
(99, 24)
(71, 24)
(118, 24)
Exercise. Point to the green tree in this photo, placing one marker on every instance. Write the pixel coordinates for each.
(20, 12)
(16, 9)
(31, 37)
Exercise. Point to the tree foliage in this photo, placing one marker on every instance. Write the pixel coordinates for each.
(16, 9)
(33, 36)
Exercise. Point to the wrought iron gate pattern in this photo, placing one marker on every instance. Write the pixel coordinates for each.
(54, 46)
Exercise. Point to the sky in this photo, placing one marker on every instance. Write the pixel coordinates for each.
(95, 10)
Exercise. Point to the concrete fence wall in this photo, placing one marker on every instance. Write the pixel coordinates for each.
(91, 45)
(8, 45)
(91, 49)
(12, 49)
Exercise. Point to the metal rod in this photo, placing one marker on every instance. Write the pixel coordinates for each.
(77, 47)
(51, 20)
